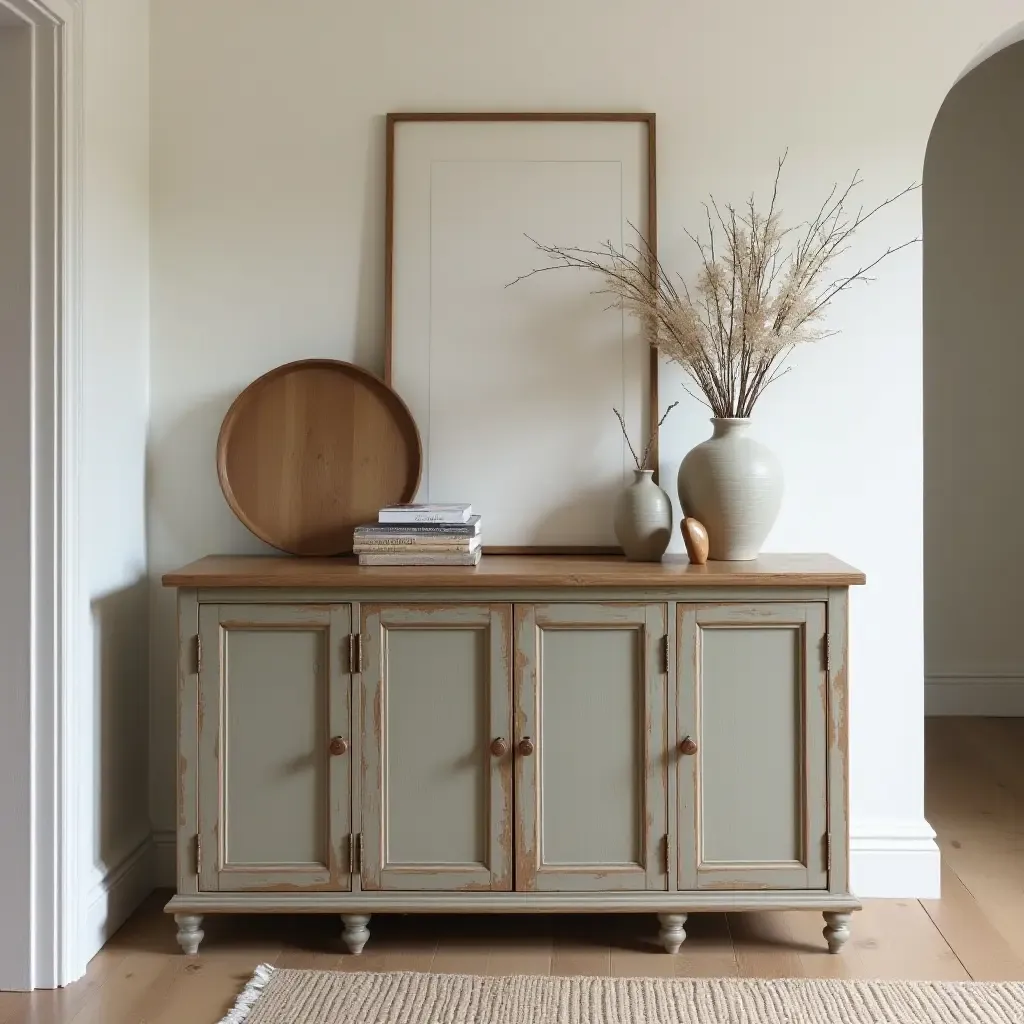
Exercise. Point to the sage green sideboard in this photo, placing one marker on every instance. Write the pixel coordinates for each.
(536, 734)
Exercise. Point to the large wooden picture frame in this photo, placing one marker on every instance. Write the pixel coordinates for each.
(513, 388)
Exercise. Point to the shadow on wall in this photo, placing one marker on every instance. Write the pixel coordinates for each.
(973, 215)
(182, 519)
(119, 787)
(195, 520)
(120, 634)
(368, 342)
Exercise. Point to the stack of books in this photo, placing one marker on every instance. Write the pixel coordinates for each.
(420, 535)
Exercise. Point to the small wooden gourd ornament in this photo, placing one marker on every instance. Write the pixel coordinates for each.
(695, 537)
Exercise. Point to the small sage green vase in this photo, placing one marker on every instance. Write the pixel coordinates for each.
(643, 518)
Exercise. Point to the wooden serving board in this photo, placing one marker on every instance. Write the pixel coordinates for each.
(312, 449)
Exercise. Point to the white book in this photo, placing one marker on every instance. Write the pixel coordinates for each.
(434, 513)
(405, 558)
(416, 546)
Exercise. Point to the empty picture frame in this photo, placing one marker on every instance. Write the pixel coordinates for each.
(513, 387)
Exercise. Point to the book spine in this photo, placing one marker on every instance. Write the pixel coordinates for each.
(423, 517)
(415, 539)
(419, 559)
(444, 532)
(387, 547)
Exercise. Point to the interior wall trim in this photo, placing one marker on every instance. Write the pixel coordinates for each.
(894, 860)
(48, 749)
(981, 694)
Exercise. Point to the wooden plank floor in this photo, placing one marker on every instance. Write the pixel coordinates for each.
(975, 801)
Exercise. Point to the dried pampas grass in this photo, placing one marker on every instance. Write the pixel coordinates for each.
(761, 290)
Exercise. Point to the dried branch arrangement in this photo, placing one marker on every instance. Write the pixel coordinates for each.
(641, 463)
(761, 290)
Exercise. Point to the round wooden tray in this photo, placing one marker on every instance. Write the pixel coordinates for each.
(312, 449)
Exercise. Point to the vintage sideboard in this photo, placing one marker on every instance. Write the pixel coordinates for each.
(536, 734)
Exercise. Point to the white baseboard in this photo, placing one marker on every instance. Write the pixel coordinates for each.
(984, 695)
(165, 873)
(894, 860)
(116, 896)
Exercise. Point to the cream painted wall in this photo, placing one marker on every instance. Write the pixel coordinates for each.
(116, 852)
(267, 211)
(973, 364)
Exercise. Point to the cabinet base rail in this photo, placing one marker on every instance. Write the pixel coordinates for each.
(354, 909)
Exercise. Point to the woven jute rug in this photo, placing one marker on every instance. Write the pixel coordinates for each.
(327, 997)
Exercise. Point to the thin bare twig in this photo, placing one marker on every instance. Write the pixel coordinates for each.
(654, 436)
(625, 434)
(641, 463)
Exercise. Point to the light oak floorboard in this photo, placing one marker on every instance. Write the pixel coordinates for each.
(134, 991)
(977, 807)
(204, 990)
(971, 934)
(709, 951)
(897, 939)
(405, 943)
(581, 946)
(990, 870)
(974, 799)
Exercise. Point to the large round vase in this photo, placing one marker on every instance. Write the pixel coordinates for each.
(643, 519)
(733, 485)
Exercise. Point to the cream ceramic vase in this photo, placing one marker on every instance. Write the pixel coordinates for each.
(733, 485)
(643, 518)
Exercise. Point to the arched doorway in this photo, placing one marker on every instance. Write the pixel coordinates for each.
(973, 218)
(973, 358)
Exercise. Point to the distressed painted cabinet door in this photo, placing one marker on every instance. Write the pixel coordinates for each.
(751, 754)
(274, 801)
(590, 742)
(436, 773)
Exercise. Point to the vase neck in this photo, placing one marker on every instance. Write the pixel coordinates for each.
(640, 475)
(729, 427)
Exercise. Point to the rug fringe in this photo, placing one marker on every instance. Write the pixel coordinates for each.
(249, 995)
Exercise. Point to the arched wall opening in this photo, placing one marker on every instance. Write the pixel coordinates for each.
(973, 322)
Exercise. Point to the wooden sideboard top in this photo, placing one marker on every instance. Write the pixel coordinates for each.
(783, 570)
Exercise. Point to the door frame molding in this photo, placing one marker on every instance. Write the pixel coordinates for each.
(46, 748)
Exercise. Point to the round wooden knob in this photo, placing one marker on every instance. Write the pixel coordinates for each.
(499, 748)
(526, 746)
(339, 746)
(688, 746)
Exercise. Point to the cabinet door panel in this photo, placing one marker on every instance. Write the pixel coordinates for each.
(274, 806)
(591, 752)
(591, 798)
(752, 800)
(437, 802)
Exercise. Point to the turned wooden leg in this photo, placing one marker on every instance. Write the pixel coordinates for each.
(356, 933)
(190, 934)
(836, 930)
(672, 933)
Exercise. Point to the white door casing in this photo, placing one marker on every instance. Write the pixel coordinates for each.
(40, 762)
